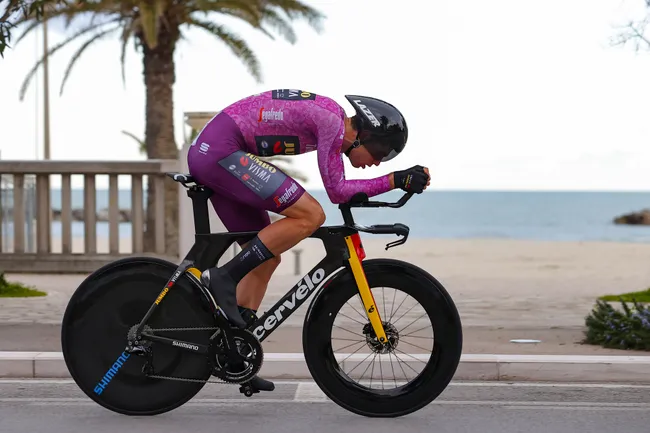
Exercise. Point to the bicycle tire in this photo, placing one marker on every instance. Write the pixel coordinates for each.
(441, 365)
(94, 335)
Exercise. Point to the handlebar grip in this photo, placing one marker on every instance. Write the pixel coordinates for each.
(386, 229)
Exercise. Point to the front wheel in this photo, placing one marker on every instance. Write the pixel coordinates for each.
(366, 377)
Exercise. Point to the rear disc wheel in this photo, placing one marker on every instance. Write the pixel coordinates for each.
(95, 329)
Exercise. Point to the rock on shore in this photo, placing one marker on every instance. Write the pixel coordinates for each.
(635, 218)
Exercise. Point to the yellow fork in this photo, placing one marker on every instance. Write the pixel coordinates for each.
(364, 291)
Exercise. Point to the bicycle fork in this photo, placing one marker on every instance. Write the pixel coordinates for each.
(357, 254)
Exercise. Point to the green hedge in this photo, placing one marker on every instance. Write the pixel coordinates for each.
(612, 328)
(16, 290)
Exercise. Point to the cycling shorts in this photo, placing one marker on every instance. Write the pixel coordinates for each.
(245, 187)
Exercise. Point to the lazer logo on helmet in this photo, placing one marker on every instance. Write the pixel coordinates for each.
(302, 290)
(368, 113)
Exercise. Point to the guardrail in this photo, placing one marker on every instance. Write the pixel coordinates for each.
(27, 218)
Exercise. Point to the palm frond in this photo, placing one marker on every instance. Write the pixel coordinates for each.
(142, 146)
(151, 15)
(127, 31)
(53, 50)
(237, 46)
(296, 9)
(80, 51)
(280, 24)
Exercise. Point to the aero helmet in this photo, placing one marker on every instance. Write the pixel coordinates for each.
(381, 127)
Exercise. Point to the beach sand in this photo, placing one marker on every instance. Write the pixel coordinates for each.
(503, 289)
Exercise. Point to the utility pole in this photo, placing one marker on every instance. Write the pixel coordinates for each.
(46, 91)
(46, 127)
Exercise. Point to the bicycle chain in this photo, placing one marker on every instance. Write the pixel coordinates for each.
(186, 379)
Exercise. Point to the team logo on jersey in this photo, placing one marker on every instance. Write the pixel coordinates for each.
(269, 145)
(292, 95)
(266, 115)
(286, 195)
(259, 176)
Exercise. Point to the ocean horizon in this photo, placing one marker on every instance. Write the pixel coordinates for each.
(463, 214)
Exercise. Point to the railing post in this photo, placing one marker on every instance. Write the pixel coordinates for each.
(66, 214)
(90, 215)
(296, 264)
(113, 213)
(159, 206)
(19, 212)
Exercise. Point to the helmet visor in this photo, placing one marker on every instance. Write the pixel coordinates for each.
(380, 149)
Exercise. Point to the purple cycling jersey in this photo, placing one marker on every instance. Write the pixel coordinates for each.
(292, 122)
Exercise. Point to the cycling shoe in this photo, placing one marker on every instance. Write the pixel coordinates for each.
(224, 290)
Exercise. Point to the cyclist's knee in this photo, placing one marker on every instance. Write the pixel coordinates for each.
(274, 262)
(307, 212)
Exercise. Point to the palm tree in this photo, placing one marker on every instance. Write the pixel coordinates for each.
(155, 26)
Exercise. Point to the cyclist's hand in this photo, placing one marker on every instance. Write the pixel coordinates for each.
(415, 179)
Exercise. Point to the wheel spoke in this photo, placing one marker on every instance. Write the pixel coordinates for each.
(347, 330)
(351, 344)
(400, 306)
(390, 359)
(381, 373)
(364, 371)
(357, 311)
(354, 320)
(414, 345)
(407, 311)
(425, 313)
(418, 330)
(355, 367)
(392, 304)
(373, 369)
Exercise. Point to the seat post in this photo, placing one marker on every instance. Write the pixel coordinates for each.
(200, 196)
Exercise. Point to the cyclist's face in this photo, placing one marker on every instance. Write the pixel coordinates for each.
(361, 158)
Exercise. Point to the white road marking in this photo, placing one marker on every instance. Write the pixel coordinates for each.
(306, 391)
(487, 384)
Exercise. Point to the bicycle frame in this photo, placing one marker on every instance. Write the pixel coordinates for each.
(342, 246)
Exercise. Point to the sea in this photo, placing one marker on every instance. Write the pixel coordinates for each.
(528, 215)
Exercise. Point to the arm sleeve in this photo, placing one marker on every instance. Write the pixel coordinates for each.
(330, 164)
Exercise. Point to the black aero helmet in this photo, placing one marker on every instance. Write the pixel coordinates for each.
(381, 128)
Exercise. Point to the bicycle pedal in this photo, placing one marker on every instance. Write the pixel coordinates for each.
(248, 390)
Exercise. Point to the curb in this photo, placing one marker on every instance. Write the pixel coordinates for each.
(555, 368)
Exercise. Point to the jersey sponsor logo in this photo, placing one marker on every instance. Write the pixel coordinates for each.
(288, 193)
(292, 95)
(259, 176)
(368, 113)
(269, 145)
(266, 115)
(301, 291)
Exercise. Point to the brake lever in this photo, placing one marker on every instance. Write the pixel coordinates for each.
(405, 234)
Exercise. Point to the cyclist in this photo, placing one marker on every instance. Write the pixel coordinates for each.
(225, 157)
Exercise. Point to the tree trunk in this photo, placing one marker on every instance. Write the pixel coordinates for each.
(159, 78)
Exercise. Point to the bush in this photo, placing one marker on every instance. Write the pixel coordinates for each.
(16, 290)
(612, 328)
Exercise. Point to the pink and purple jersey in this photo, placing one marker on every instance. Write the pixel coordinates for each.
(292, 122)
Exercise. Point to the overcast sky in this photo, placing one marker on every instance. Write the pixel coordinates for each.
(500, 94)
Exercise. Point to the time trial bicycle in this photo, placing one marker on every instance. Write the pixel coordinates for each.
(142, 335)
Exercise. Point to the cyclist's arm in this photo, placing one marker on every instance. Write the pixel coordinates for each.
(330, 162)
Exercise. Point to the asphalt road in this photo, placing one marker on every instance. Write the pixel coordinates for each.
(57, 406)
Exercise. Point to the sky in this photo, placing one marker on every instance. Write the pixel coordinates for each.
(498, 95)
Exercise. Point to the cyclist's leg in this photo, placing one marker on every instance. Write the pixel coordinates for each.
(249, 180)
(239, 217)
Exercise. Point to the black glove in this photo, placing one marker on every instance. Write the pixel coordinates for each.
(413, 179)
